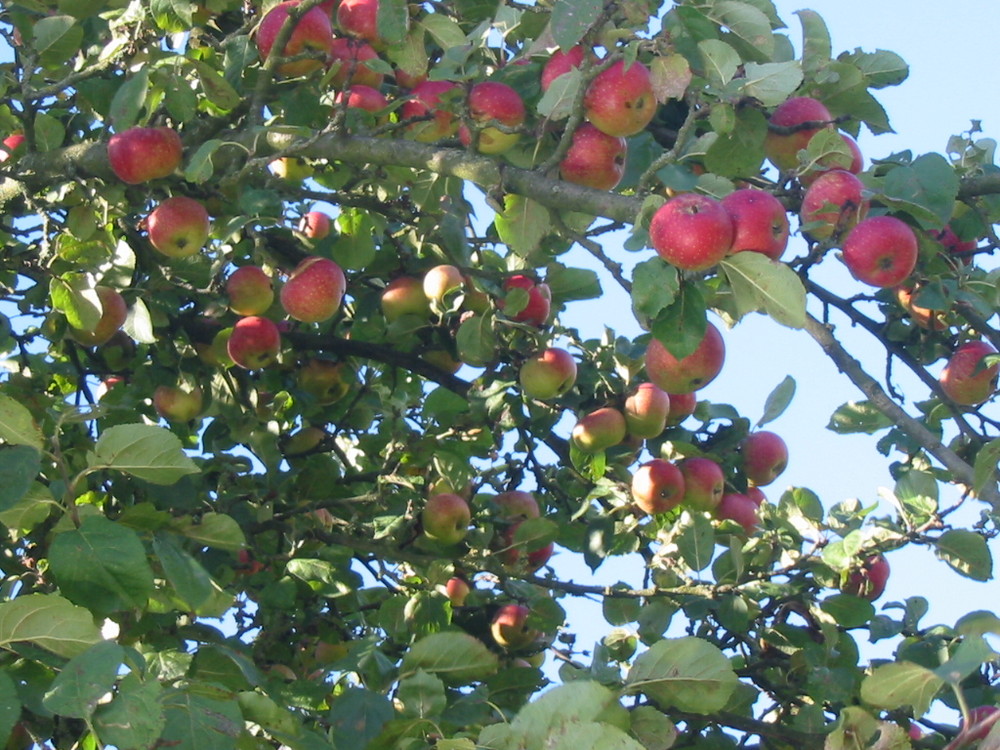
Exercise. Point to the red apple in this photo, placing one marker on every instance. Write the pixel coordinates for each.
(833, 204)
(12, 147)
(457, 590)
(646, 410)
(704, 483)
(143, 154)
(869, 580)
(177, 404)
(446, 517)
(113, 314)
(493, 101)
(315, 225)
(178, 227)
(536, 312)
(782, 149)
(657, 486)
(359, 18)
(599, 430)
(692, 232)
(349, 57)
(881, 251)
(756, 495)
(441, 281)
(548, 374)
(740, 508)
(313, 33)
(760, 223)
(314, 291)
(765, 457)
(517, 505)
(364, 97)
(520, 558)
(981, 721)
(594, 159)
(325, 380)
(405, 296)
(425, 102)
(620, 100)
(962, 249)
(249, 290)
(691, 373)
(254, 342)
(510, 627)
(964, 380)
(560, 63)
(682, 406)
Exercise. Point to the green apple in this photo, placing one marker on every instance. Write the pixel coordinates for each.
(599, 430)
(176, 403)
(646, 410)
(548, 374)
(249, 290)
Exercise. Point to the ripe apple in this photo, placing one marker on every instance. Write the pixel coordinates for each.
(962, 249)
(826, 163)
(981, 721)
(704, 483)
(964, 380)
(833, 204)
(457, 590)
(760, 223)
(113, 314)
(756, 495)
(359, 18)
(561, 63)
(364, 97)
(517, 505)
(425, 102)
(691, 373)
(536, 312)
(657, 486)
(881, 251)
(692, 232)
(12, 147)
(314, 291)
(405, 296)
(599, 430)
(177, 404)
(489, 101)
(249, 290)
(620, 100)
(315, 225)
(324, 380)
(446, 517)
(347, 59)
(313, 33)
(143, 154)
(594, 159)
(646, 410)
(548, 374)
(740, 508)
(682, 406)
(178, 227)
(869, 580)
(441, 281)
(782, 149)
(254, 342)
(925, 317)
(518, 557)
(510, 627)
(765, 456)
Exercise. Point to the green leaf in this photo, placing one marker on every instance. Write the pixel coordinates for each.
(215, 530)
(688, 673)
(535, 533)
(858, 416)
(966, 552)
(739, 151)
(128, 101)
(882, 68)
(102, 565)
(322, 576)
(189, 578)
(49, 621)
(849, 611)
(217, 89)
(19, 466)
(445, 31)
(571, 19)
(720, 60)
(475, 341)
(392, 21)
(680, 326)
(84, 680)
(355, 248)
(30, 510)
(655, 284)
(772, 83)
(816, 46)
(10, 707)
(134, 718)
(619, 610)
(456, 658)
(73, 295)
(49, 132)
(653, 728)
(979, 622)
(777, 401)
(17, 426)
(969, 657)
(360, 714)
(56, 39)
(696, 542)
(523, 224)
(591, 735)
(145, 451)
(749, 29)
(139, 323)
(892, 686)
(569, 284)
(194, 722)
(422, 696)
(925, 189)
(172, 16)
(844, 90)
(985, 469)
(767, 286)
(541, 722)
(917, 493)
(557, 102)
(200, 168)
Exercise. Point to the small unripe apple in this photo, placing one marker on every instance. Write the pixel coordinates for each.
(646, 410)
(488, 101)
(441, 281)
(692, 232)
(178, 227)
(881, 251)
(704, 483)
(964, 380)
(782, 149)
(548, 374)
(426, 101)
(347, 58)
(657, 486)
(620, 100)
(537, 311)
(143, 154)
(254, 342)
(599, 430)
(113, 314)
(760, 223)
(594, 159)
(869, 580)
(446, 517)
(442, 359)
(740, 508)
(315, 225)
(691, 373)
(833, 204)
(312, 33)
(303, 440)
(517, 505)
(177, 404)
(765, 457)
(314, 291)
(405, 296)
(510, 627)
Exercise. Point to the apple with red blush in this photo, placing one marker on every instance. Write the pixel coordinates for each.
(692, 232)
(405, 295)
(690, 373)
(704, 483)
(314, 290)
(492, 101)
(657, 486)
(249, 290)
(599, 430)
(833, 204)
(176, 403)
(347, 61)
(765, 457)
(869, 579)
(792, 125)
(516, 505)
(427, 104)
(560, 63)
(114, 311)
(646, 410)
(254, 342)
(594, 159)
(620, 100)
(178, 227)
(510, 628)
(315, 225)
(547, 374)
(312, 35)
(536, 311)
(682, 406)
(140, 154)
(881, 251)
(457, 590)
(446, 518)
(739, 507)
(760, 223)
(965, 379)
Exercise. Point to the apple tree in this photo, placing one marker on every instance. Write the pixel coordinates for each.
(292, 421)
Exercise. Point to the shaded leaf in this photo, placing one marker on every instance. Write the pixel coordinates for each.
(134, 718)
(696, 542)
(816, 46)
(145, 451)
(360, 714)
(680, 326)
(195, 722)
(84, 680)
(456, 658)
(10, 706)
(128, 101)
(720, 60)
(49, 621)
(557, 102)
(985, 470)
(17, 426)
(572, 18)
(966, 552)
(523, 224)
(926, 189)
(19, 466)
(655, 284)
(189, 578)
